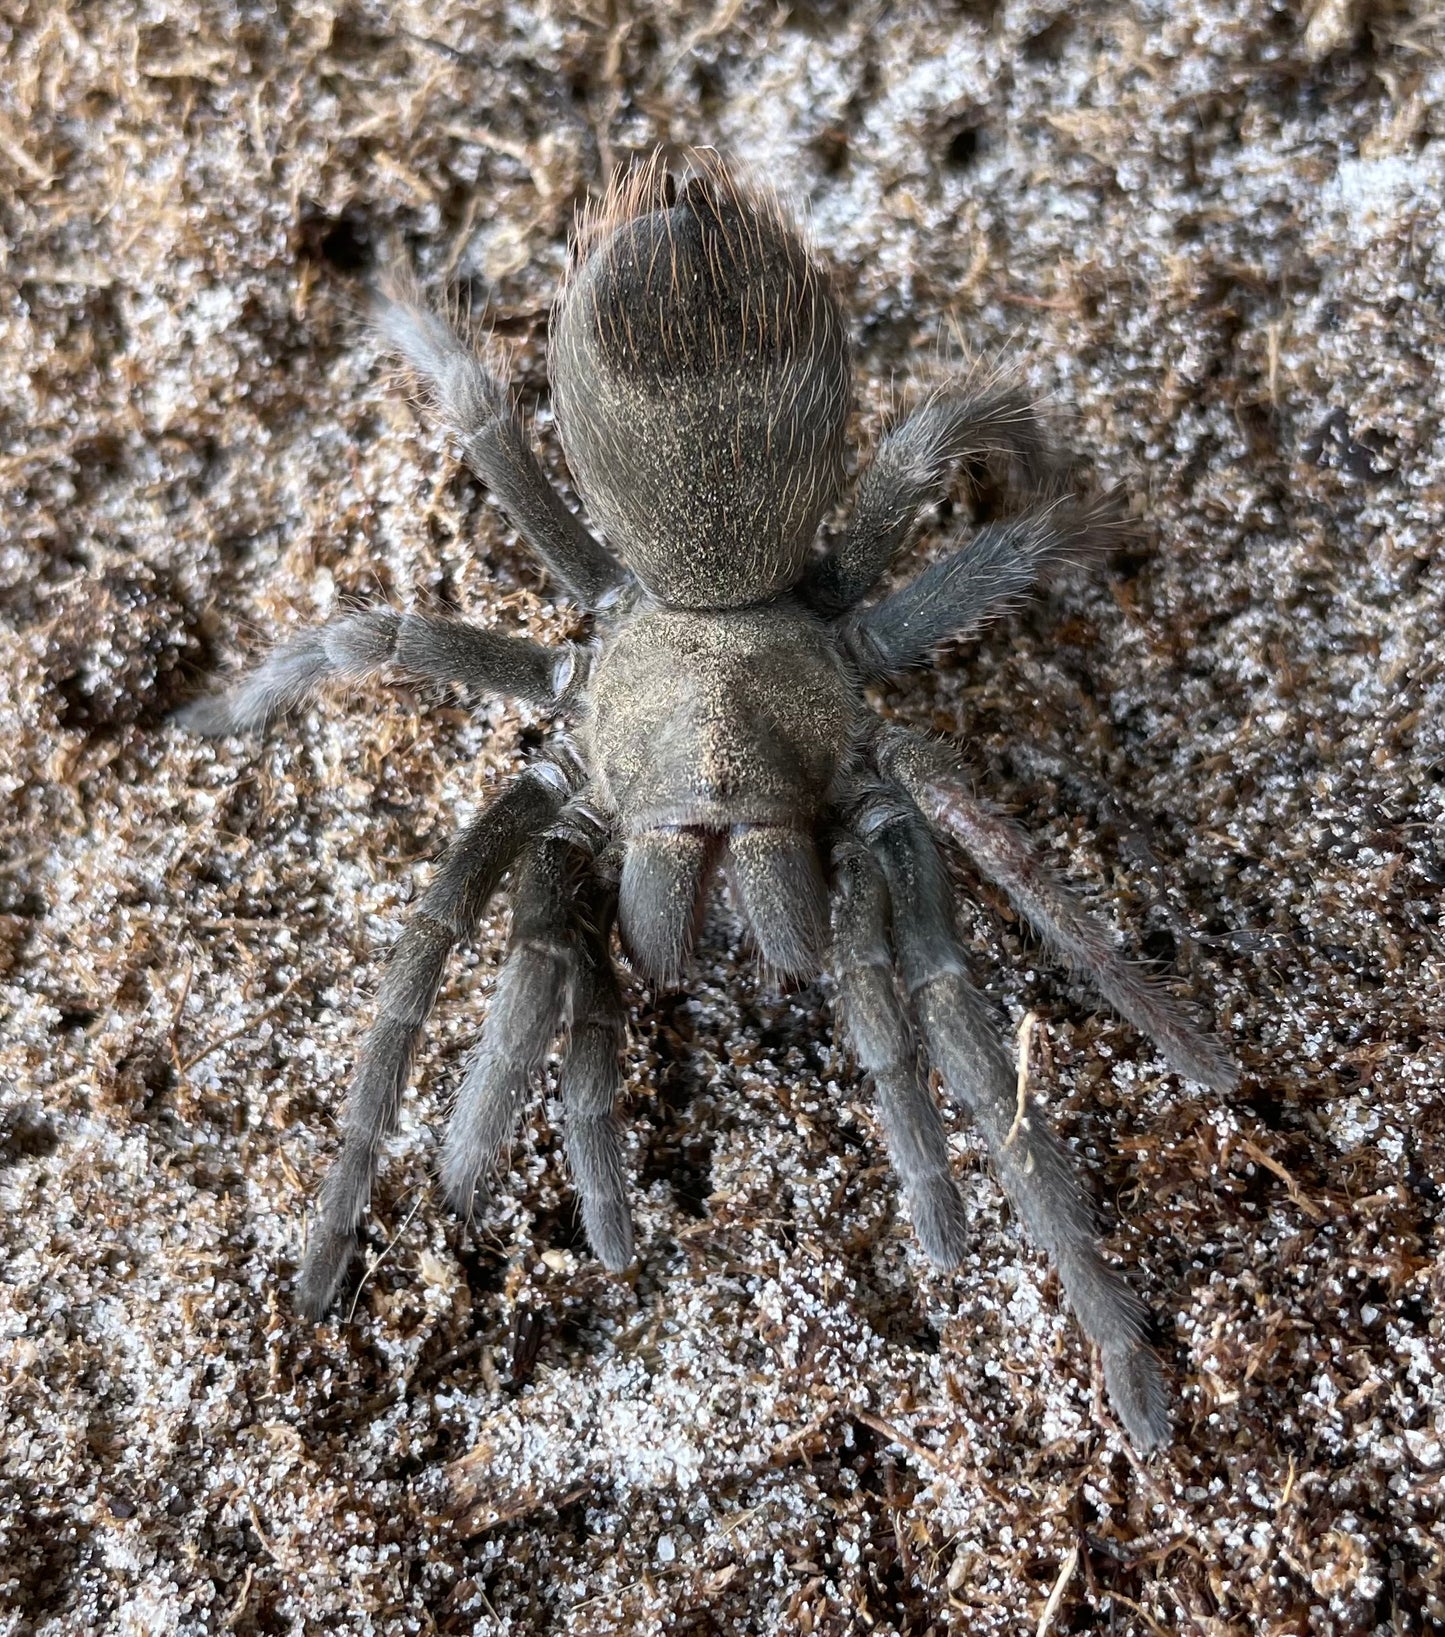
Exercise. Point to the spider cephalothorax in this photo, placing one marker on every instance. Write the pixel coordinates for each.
(719, 727)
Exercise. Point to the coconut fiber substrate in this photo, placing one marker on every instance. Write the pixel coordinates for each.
(1206, 237)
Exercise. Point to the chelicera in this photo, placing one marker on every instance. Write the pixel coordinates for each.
(716, 727)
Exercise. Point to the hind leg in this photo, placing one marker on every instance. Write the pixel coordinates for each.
(478, 411)
(910, 471)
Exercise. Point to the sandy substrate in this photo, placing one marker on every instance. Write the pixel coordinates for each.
(1210, 236)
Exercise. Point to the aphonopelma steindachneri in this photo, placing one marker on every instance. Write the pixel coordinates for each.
(700, 376)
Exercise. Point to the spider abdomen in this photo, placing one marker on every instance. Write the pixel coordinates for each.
(700, 375)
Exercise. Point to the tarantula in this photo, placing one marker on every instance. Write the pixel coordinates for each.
(701, 381)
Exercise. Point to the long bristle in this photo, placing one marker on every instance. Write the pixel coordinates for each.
(758, 219)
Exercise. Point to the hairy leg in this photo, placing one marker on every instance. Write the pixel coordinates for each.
(534, 1001)
(358, 645)
(910, 471)
(591, 1084)
(964, 1045)
(934, 776)
(448, 911)
(990, 573)
(882, 1038)
(479, 414)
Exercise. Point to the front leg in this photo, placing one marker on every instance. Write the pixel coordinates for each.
(590, 1085)
(535, 1000)
(449, 910)
(963, 1044)
(882, 1038)
(933, 775)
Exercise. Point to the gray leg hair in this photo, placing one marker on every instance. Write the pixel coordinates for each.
(591, 1086)
(449, 910)
(910, 471)
(882, 1038)
(353, 647)
(964, 1045)
(478, 413)
(935, 777)
(534, 1002)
